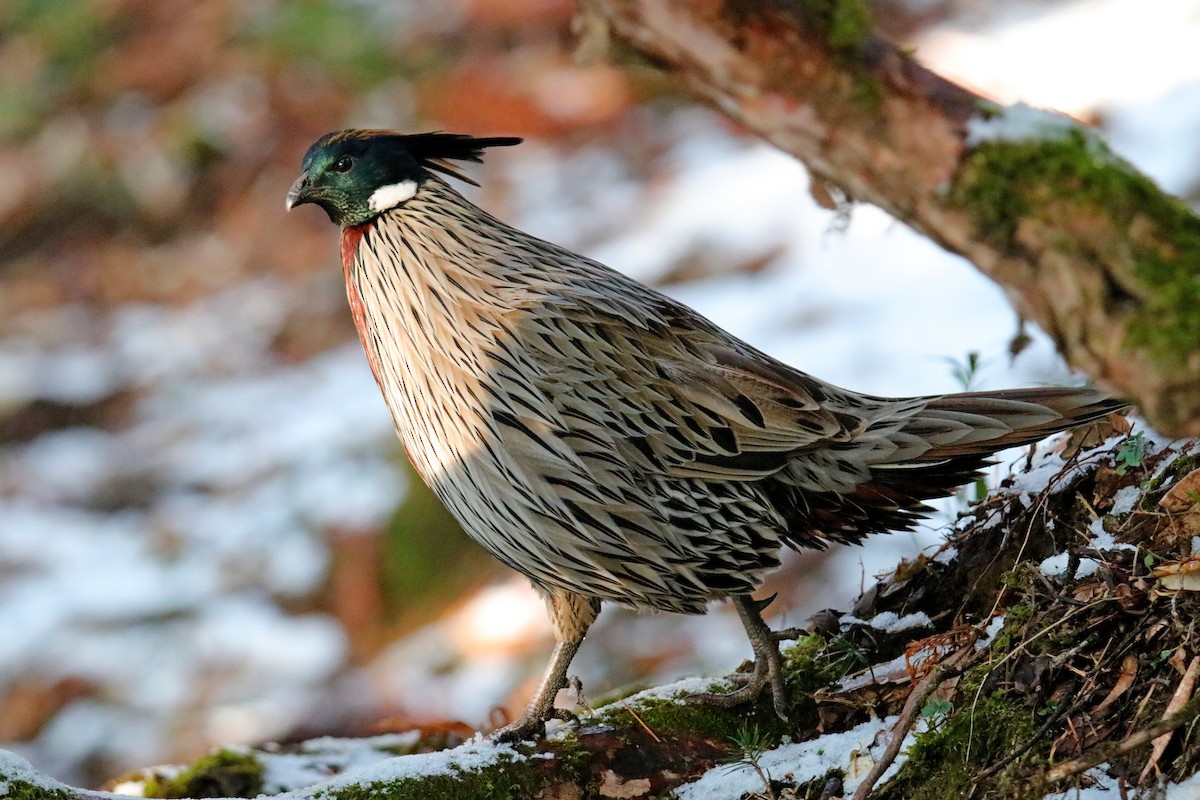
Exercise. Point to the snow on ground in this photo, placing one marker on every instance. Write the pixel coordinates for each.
(314, 760)
(891, 622)
(177, 603)
(1106, 788)
(174, 604)
(853, 751)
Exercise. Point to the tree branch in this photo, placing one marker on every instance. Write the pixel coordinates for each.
(1084, 245)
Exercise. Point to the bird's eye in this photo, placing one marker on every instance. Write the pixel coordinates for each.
(343, 164)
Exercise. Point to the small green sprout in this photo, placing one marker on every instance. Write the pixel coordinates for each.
(750, 743)
(936, 712)
(1131, 453)
(966, 372)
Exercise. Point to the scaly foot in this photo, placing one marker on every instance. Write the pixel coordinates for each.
(768, 662)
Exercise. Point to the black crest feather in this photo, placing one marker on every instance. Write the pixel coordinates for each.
(435, 150)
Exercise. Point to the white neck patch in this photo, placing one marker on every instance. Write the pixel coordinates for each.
(392, 195)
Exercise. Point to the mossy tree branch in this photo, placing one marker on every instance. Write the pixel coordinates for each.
(1084, 245)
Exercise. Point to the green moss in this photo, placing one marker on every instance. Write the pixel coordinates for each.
(225, 773)
(1015, 619)
(943, 764)
(508, 778)
(813, 662)
(675, 716)
(1156, 239)
(867, 93)
(1022, 577)
(847, 24)
(1177, 469)
(846, 27)
(809, 665)
(20, 790)
(571, 758)
(850, 23)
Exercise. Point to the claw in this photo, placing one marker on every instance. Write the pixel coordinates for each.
(524, 728)
(788, 634)
(532, 721)
(564, 715)
(768, 663)
(739, 678)
(760, 606)
(738, 697)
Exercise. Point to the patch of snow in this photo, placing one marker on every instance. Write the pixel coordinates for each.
(853, 751)
(891, 622)
(75, 374)
(674, 691)
(15, 768)
(1126, 499)
(1049, 472)
(474, 754)
(994, 626)
(887, 672)
(184, 574)
(317, 759)
(1105, 788)
(945, 555)
(1056, 565)
(1185, 790)
(1103, 540)
(1017, 123)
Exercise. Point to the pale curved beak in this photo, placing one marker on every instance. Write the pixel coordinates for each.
(298, 194)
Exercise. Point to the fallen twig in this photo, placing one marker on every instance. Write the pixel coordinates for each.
(1189, 712)
(1183, 693)
(912, 709)
(640, 721)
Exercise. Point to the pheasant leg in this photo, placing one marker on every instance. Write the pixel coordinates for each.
(570, 615)
(532, 721)
(768, 663)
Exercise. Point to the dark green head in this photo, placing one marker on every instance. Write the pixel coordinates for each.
(355, 175)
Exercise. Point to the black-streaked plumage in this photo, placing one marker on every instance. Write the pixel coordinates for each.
(604, 440)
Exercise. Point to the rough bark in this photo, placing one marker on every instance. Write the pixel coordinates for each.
(1015, 676)
(1083, 244)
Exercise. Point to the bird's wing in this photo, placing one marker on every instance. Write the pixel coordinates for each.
(677, 396)
(645, 444)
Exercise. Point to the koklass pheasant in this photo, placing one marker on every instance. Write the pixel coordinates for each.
(606, 441)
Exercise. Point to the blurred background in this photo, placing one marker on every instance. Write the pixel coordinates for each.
(208, 532)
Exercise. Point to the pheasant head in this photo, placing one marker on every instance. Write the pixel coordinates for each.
(356, 174)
